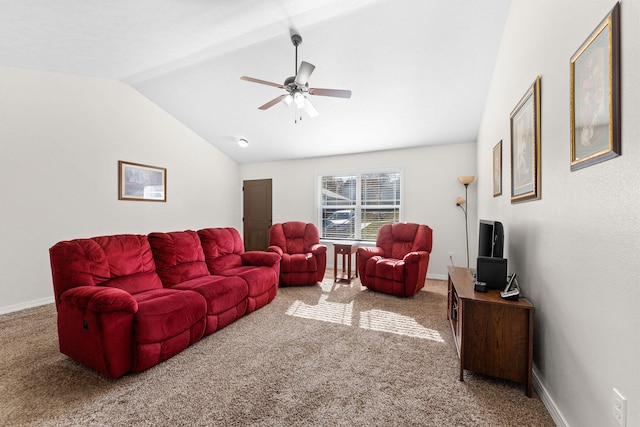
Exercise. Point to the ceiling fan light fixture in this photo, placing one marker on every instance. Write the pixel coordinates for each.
(298, 98)
(287, 99)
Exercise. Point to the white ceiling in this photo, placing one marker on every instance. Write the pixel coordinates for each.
(419, 70)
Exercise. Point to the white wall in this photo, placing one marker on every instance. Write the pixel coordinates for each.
(575, 250)
(430, 189)
(62, 137)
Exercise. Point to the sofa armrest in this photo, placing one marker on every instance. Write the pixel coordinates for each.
(99, 299)
(319, 248)
(276, 249)
(261, 258)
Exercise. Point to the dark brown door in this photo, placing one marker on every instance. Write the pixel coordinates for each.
(257, 213)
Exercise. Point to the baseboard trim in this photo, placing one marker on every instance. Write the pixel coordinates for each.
(547, 400)
(24, 305)
(437, 276)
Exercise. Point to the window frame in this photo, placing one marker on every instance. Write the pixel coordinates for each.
(359, 206)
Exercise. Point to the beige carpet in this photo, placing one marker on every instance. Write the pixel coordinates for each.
(327, 355)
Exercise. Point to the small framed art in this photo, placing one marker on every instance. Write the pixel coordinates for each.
(141, 182)
(595, 95)
(497, 169)
(525, 146)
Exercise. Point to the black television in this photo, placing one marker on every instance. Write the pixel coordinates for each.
(490, 239)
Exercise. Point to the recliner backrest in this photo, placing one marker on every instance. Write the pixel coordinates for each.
(294, 237)
(123, 261)
(398, 239)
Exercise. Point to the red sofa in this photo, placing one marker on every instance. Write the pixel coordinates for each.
(128, 302)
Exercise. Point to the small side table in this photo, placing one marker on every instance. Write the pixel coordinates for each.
(346, 250)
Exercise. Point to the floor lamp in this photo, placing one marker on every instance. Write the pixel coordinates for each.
(462, 203)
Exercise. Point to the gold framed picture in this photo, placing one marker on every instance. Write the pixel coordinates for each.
(595, 95)
(525, 146)
(497, 169)
(141, 182)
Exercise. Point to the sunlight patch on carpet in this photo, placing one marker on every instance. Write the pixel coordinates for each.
(387, 321)
(326, 311)
(375, 320)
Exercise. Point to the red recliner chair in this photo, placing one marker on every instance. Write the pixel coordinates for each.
(398, 264)
(303, 258)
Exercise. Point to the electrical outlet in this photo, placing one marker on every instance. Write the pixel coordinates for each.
(450, 254)
(619, 408)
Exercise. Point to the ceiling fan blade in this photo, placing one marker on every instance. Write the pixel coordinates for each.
(271, 103)
(304, 72)
(310, 109)
(338, 93)
(262, 82)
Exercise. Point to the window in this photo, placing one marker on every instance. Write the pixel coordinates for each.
(353, 206)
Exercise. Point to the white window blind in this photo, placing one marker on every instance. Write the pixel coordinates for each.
(353, 206)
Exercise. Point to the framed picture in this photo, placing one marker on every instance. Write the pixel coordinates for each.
(141, 182)
(525, 146)
(595, 95)
(497, 169)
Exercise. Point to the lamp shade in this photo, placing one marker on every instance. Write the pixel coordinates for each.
(460, 201)
(466, 180)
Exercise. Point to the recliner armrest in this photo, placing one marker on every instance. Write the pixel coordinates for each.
(319, 249)
(368, 252)
(99, 299)
(261, 258)
(415, 257)
(275, 249)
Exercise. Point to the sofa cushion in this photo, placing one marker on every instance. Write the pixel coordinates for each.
(259, 279)
(220, 292)
(164, 313)
(122, 261)
(167, 322)
(223, 248)
(226, 299)
(178, 256)
(298, 263)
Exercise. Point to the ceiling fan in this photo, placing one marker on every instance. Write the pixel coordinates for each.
(297, 86)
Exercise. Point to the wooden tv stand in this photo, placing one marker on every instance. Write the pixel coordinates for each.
(493, 336)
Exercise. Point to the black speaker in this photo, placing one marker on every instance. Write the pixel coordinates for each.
(492, 271)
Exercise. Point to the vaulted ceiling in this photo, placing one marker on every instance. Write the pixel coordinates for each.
(419, 70)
